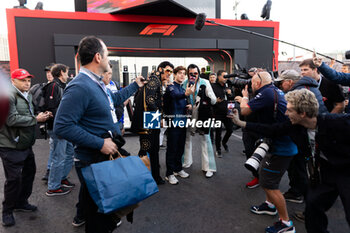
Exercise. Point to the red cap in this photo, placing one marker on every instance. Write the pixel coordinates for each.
(20, 74)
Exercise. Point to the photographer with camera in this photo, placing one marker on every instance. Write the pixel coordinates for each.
(290, 80)
(224, 94)
(249, 138)
(269, 105)
(325, 139)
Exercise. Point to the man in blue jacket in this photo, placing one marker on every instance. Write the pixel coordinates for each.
(175, 109)
(86, 114)
(331, 74)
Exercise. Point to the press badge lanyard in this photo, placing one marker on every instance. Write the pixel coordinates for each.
(319, 82)
(104, 88)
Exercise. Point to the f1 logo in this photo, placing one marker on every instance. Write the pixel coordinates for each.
(151, 120)
(166, 30)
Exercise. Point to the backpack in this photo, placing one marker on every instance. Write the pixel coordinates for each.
(37, 92)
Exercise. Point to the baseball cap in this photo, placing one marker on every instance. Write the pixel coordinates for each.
(20, 74)
(288, 74)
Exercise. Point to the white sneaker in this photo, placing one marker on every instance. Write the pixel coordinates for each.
(172, 179)
(209, 174)
(182, 174)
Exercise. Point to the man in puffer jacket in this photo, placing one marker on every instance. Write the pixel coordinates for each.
(17, 137)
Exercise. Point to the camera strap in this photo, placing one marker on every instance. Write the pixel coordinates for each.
(314, 160)
(275, 104)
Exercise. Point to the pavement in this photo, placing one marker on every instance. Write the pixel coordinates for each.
(196, 205)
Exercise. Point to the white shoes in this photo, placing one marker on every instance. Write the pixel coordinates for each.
(209, 174)
(172, 179)
(182, 174)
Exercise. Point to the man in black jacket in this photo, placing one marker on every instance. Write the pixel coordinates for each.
(325, 139)
(62, 151)
(223, 95)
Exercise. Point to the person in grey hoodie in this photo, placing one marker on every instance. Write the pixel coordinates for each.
(291, 80)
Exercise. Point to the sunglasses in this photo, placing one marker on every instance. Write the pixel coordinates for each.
(168, 71)
(194, 74)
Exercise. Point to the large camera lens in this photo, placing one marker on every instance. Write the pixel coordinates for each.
(241, 83)
(252, 164)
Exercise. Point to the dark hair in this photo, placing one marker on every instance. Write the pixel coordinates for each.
(219, 73)
(88, 47)
(57, 68)
(165, 64)
(212, 73)
(308, 62)
(177, 69)
(192, 66)
(49, 66)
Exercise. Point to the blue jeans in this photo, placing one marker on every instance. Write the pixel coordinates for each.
(61, 161)
(50, 153)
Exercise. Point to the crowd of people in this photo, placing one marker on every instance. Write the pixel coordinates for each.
(300, 113)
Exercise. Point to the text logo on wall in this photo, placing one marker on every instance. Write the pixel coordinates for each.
(166, 30)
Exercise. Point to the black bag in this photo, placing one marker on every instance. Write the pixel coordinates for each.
(38, 92)
(137, 117)
(205, 109)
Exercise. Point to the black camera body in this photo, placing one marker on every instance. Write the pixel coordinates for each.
(241, 78)
(240, 83)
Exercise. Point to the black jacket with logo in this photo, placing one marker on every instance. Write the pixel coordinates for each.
(53, 95)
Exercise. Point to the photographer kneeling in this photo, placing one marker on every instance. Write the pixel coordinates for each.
(269, 105)
(325, 138)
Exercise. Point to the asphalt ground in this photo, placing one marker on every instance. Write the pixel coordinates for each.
(195, 205)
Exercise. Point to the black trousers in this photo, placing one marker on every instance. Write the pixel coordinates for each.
(20, 169)
(150, 143)
(175, 149)
(80, 205)
(229, 129)
(319, 199)
(298, 179)
(87, 209)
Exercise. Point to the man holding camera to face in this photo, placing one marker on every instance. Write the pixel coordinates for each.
(325, 139)
(269, 105)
